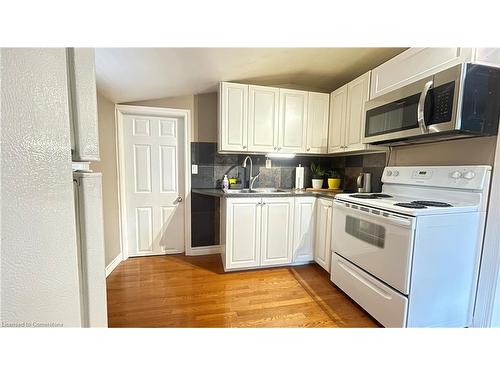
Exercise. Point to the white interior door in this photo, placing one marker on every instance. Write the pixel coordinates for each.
(154, 184)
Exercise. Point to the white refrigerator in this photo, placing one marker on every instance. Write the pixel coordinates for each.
(87, 187)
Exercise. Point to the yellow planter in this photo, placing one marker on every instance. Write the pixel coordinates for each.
(334, 183)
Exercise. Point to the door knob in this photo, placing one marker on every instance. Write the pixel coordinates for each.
(178, 199)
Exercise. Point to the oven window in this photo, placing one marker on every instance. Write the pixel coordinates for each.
(392, 117)
(366, 231)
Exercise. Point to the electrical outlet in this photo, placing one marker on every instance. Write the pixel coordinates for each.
(194, 169)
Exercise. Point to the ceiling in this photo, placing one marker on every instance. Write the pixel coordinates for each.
(133, 74)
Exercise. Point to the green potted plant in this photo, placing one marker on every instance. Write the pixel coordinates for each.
(334, 179)
(317, 176)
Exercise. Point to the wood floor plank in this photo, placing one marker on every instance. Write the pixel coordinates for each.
(181, 291)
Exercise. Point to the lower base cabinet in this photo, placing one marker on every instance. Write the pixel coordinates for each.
(257, 232)
(323, 233)
(303, 229)
(265, 232)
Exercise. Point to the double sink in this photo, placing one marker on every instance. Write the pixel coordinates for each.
(257, 191)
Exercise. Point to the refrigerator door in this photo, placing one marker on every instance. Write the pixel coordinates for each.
(89, 219)
(83, 104)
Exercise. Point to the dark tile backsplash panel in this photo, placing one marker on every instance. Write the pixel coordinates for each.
(212, 167)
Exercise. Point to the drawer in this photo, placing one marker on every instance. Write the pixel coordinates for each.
(383, 303)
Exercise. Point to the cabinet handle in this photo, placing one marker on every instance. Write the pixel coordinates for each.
(309, 149)
(276, 148)
(244, 147)
(258, 203)
(263, 203)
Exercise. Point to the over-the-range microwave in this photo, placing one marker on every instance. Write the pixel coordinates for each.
(462, 101)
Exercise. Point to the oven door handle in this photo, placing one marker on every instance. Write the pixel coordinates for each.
(421, 107)
(395, 220)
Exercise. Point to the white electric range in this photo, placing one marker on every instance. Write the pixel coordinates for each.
(410, 254)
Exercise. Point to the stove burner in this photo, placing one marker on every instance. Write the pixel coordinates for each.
(382, 195)
(432, 203)
(370, 196)
(410, 205)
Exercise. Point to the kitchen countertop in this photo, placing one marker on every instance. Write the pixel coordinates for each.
(282, 193)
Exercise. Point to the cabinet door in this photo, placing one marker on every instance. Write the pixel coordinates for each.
(233, 106)
(337, 124)
(317, 123)
(83, 104)
(323, 233)
(303, 229)
(488, 56)
(357, 95)
(277, 229)
(243, 225)
(414, 64)
(292, 121)
(263, 115)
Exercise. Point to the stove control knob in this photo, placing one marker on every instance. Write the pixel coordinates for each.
(395, 173)
(389, 173)
(456, 175)
(469, 175)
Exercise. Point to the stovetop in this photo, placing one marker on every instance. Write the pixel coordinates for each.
(413, 206)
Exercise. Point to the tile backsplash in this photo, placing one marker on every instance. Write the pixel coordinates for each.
(212, 167)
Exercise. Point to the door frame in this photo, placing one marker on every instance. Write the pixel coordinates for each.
(185, 114)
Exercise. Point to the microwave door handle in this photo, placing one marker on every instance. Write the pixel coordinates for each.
(421, 108)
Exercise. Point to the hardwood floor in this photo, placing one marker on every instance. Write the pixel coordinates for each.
(181, 291)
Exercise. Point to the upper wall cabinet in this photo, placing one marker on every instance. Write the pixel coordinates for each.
(317, 123)
(233, 122)
(337, 124)
(83, 104)
(292, 121)
(263, 115)
(347, 117)
(417, 63)
(260, 119)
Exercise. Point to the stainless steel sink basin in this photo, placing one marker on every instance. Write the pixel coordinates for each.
(257, 190)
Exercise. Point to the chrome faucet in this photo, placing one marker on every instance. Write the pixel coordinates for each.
(251, 179)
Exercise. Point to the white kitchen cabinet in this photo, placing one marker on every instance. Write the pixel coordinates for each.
(243, 230)
(82, 98)
(233, 120)
(263, 115)
(323, 232)
(292, 121)
(317, 123)
(277, 231)
(357, 95)
(347, 118)
(257, 232)
(303, 229)
(487, 56)
(337, 124)
(414, 64)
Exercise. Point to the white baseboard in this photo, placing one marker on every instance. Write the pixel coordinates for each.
(114, 263)
(204, 250)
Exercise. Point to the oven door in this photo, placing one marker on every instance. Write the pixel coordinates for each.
(425, 107)
(379, 242)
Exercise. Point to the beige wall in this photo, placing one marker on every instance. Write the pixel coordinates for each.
(107, 166)
(205, 117)
(456, 152)
(203, 113)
